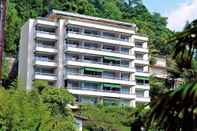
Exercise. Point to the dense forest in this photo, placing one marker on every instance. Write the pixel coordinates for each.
(133, 11)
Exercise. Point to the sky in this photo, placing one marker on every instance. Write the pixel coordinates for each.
(177, 11)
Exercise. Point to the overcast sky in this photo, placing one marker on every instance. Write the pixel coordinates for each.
(177, 11)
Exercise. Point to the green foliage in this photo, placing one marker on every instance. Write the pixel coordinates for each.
(23, 111)
(176, 110)
(107, 118)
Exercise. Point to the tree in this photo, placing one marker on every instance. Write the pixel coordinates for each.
(36, 111)
(176, 110)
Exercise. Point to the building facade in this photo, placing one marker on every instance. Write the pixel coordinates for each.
(159, 69)
(97, 60)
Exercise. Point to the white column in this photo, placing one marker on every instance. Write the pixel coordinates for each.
(60, 59)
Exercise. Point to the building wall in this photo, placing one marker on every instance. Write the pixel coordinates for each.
(25, 54)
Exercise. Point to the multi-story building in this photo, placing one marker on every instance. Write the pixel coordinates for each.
(97, 60)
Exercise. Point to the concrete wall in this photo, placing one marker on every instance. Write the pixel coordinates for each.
(25, 54)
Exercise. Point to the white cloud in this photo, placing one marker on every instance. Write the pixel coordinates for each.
(181, 14)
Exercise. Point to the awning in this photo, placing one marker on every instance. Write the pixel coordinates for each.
(111, 58)
(93, 69)
(112, 85)
(141, 77)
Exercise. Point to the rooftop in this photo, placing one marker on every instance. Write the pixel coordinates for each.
(76, 15)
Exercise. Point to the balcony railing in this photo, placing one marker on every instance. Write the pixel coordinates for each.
(45, 32)
(45, 60)
(101, 36)
(45, 45)
(99, 90)
(97, 76)
(98, 62)
(96, 48)
(45, 73)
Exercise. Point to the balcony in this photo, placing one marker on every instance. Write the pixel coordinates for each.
(46, 23)
(97, 51)
(142, 73)
(45, 76)
(45, 48)
(97, 64)
(142, 86)
(142, 99)
(98, 78)
(140, 49)
(99, 92)
(141, 61)
(47, 63)
(43, 35)
(130, 30)
(98, 38)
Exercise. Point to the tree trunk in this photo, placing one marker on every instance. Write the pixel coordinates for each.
(3, 4)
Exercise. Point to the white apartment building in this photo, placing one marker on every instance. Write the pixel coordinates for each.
(98, 60)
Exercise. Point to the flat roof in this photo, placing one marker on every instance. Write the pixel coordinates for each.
(65, 13)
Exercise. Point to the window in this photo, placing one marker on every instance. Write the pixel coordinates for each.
(72, 70)
(139, 82)
(139, 93)
(139, 44)
(139, 68)
(110, 75)
(44, 71)
(142, 81)
(73, 29)
(75, 84)
(108, 48)
(91, 32)
(125, 63)
(125, 90)
(45, 29)
(45, 44)
(125, 76)
(109, 34)
(73, 57)
(139, 56)
(111, 61)
(91, 86)
(125, 50)
(73, 43)
(124, 37)
(92, 59)
(92, 73)
(91, 45)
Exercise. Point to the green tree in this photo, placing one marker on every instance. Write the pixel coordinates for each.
(23, 110)
(176, 110)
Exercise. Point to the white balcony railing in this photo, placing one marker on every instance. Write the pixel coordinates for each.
(97, 76)
(97, 62)
(99, 35)
(96, 48)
